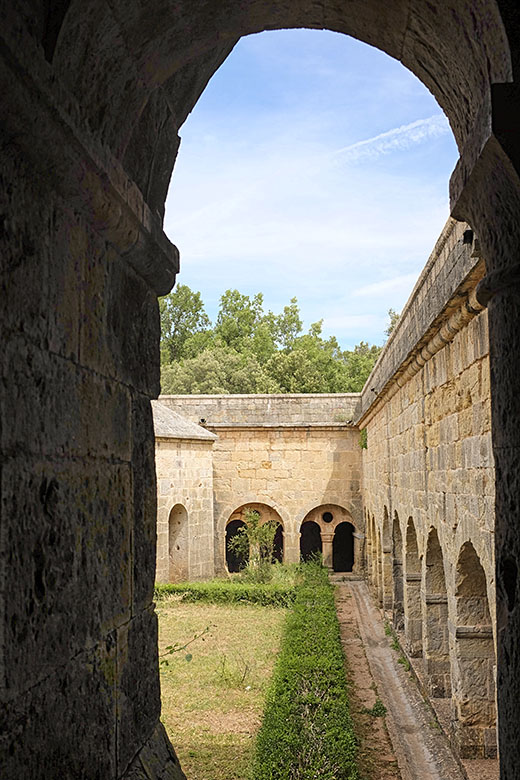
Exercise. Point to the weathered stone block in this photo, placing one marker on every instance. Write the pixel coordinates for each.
(65, 525)
(66, 725)
(138, 691)
(144, 502)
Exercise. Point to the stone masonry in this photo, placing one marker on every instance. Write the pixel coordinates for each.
(276, 451)
(94, 94)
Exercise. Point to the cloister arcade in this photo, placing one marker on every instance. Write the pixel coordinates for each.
(442, 617)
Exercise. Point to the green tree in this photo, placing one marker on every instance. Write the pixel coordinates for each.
(238, 317)
(359, 362)
(252, 351)
(287, 326)
(217, 370)
(182, 317)
(313, 365)
(254, 542)
(393, 317)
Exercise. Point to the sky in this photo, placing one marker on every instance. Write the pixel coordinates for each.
(313, 166)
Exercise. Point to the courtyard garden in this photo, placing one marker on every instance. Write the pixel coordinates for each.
(253, 678)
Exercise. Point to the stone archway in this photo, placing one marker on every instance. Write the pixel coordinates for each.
(474, 722)
(343, 547)
(310, 540)
(94, 95)
(397, 575)
(412, 593)
(178, 544)
(236, 520)
(328, 517)
(235, 561)
(387, 562)
(436, 651)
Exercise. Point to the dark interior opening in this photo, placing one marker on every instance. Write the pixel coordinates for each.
(234, 561)
(343, 547)
(278, 544)
(310, 540)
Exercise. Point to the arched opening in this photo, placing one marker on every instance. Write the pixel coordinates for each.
(235, 561)
(374, 560)
(412, 593)
(343, 547)
(278, 544)
(397, 572)
(386, 563)
(435, 621)
(368, 549)
(178, 544)
(310, 540)
(239, 519)
(378, 565)
(474, 720)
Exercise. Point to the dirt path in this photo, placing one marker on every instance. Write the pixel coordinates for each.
(420, 749)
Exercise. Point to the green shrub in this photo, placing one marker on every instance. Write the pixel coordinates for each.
(307, 730)
(230, 592)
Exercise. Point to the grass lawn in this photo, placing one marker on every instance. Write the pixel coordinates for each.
(212, 705)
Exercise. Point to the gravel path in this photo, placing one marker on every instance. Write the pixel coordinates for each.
(421, 750)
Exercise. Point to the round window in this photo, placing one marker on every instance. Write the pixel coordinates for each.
(327, 517)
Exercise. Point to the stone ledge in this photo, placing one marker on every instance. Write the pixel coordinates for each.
(474, 632)
(462, 307)
(335, 426)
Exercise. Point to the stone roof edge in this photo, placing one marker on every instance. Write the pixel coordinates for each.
(443, 330)
(285, 396)
(285, 426)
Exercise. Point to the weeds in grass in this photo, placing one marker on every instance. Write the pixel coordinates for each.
(377, 711)
(233, 673)
(178, 647)
(394, 644)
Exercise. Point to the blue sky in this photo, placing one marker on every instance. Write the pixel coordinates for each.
(312, 166)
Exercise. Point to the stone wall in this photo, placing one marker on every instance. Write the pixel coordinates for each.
(294, 471)
(428, 488)
(265, 453)
(290, 409)
(185, 529)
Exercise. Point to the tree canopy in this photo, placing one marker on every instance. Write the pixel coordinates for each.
(249, 350)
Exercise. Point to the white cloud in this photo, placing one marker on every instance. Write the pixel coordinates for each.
(397, 139)
(346, 323)
(385, 287)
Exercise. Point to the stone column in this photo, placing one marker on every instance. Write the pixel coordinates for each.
(398, 595)
(387, 578)
(291, 545)
(436, 644)
(327, 538)
(359, 563)
(412, 614)
(474, 729)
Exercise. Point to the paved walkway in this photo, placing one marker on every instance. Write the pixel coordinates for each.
(421, 750)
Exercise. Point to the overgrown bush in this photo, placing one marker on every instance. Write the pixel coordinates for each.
(230, 592)
(307, 731)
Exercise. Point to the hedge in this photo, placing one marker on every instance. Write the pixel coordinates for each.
(307, 731)
(230, 592)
